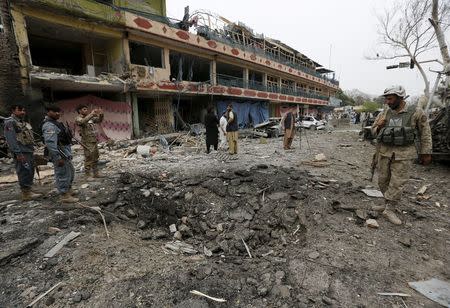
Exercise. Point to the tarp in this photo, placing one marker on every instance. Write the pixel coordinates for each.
(117, 123)
(249, 113)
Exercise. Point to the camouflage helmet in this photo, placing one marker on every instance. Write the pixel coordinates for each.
(395, 90)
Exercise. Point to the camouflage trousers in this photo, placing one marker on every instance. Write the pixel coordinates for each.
(392, 176)
(91, 156)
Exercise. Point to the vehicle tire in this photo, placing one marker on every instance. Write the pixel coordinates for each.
(275, 133)
(313, 127)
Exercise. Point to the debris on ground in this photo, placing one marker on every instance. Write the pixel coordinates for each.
(260, 230)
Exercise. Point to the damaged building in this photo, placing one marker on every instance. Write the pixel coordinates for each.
(152, 74)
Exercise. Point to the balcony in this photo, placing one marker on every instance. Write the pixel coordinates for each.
(231, 81)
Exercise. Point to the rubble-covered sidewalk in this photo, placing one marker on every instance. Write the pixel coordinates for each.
(265, 228)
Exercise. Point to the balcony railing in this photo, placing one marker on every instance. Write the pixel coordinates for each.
(231, 81)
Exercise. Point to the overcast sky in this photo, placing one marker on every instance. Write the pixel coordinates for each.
(311, 27)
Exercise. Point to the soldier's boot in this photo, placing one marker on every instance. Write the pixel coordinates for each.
(28, 195)
(390, 214)
(68, 198)
(97, 174)
(88, 175)
(73, 192)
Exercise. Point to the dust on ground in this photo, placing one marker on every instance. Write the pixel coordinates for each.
(303, 226)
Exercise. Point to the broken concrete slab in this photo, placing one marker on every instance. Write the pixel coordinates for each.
(72, 235)
(373, 193)
(434, 289)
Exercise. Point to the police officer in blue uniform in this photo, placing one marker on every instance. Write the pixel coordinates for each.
(19, 137)
(58, 140)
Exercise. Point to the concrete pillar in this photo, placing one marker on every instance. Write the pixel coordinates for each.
(166, 58)
(279, 84)
(20, 30)
(245, 76)
(126, 54)
(213, 72)
(264, 79)
(132, 99)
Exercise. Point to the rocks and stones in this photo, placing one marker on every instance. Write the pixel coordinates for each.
(240, 215)
(77, 297)
(276, 196)
(313, 255)
(320, 157)
(262, 291)
(178, 236)
(328, 301)
(405, 241)
(180, 247)
(281, 291)
(242, 172)
(361, 214)
(188, 196)
(185, 230)
(372, 223)
(141, 224)
(216, 186)
(173, 228)
(130, 213)
(373, 193)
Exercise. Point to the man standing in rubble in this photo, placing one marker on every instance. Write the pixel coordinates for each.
(87, 123)
(232, 130)
(58, 141)
(19, 137)
(223, 131)
(398, 128)
(288, 123)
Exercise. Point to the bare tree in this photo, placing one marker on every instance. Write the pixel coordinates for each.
(438, 29)
(406, 33)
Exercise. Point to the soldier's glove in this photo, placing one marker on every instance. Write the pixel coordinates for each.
(21, 158)
(425, 159)
(60, 162)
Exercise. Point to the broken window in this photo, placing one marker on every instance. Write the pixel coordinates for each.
(287, 87)
(56, 55)
(229, 75)
(189, 68)
(272, 84)
(255, 80)
(147, 55)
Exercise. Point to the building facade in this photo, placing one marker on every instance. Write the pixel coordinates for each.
(152, 74)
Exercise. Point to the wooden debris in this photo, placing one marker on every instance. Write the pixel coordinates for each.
(423, 190)
(316, 163)
(72, 235)
(43, 294)
(98, 210)
(220, 300)
(394, 294)
(246, 247)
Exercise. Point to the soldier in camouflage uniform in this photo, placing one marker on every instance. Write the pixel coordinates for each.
(19, 137)
(87, 122)
(398, 128)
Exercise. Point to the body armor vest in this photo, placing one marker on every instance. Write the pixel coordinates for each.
(398, 130)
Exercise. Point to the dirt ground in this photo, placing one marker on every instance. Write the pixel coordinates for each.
(309, 246)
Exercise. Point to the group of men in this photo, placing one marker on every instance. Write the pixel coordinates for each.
(58, 140)
(228, 130)
(398, 129)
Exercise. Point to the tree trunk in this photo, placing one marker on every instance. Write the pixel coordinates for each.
(440, 35)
